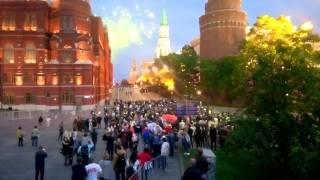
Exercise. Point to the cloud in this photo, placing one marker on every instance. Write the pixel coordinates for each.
(150, 15)
(137, 7)
(122, 30)
(127, 28)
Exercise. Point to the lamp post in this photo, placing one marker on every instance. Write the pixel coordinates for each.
(199, 92)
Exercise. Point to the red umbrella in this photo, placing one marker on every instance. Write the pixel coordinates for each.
(170, 118)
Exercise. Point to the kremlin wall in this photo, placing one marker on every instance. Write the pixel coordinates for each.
(222, 28)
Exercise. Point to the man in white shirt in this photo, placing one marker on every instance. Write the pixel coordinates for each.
(93, 170)
(165, 149)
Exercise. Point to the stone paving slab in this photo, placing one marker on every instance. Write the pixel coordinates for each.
(18, 163)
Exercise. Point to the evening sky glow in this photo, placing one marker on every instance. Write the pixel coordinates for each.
(133, 24)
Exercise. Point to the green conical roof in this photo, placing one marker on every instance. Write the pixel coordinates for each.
(164, 18)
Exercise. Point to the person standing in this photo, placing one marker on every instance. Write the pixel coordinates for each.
(34, 136)
(119, 163)
(213, 137)
(93, 170)
(19, 135)
(94, 137)
(48, 119)
(40, 120)
(61, 130)
(79, 171)
(109, 143)
(185, 140)
(40, 162)
(165, 149)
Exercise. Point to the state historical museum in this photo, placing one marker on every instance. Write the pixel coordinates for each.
(53, 55)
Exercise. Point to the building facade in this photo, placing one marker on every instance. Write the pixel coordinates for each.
(164, 44)
(53, 55)
(222, 28)
(133, 75)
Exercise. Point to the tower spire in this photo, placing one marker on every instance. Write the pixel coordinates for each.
(163, 47)
(164, 18)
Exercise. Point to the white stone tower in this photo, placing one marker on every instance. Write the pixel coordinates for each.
(163, 47)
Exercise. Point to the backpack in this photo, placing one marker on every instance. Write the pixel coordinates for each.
(84, 151)
(121, 163)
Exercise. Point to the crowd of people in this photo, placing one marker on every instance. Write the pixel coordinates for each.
(137, 139)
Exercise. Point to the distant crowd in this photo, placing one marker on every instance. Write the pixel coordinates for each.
(137, 140)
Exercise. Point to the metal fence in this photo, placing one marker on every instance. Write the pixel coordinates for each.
(21, 115)
(35, 114)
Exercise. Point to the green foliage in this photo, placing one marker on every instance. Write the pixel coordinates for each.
(184, 68)
(225, 76)
(281, 127)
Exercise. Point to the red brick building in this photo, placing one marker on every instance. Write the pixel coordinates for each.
(53, 55)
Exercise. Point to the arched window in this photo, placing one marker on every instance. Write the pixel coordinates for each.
(5, 21)
(27, 22)
(30, 54)
(8, 53)
(8, 21)
(66, 79)
(33, 22)
(67, 23)
(67, 57)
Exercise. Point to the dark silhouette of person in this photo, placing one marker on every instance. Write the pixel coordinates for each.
(79, 171)
(213, 137)
(40, 156)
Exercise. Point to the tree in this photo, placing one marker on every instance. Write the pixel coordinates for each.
(223, 78)
(280, 128)
(183, 70)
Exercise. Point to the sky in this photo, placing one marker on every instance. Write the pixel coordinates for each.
(133, 25)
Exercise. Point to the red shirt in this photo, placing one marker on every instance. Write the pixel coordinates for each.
(168, 129)
(144, 157)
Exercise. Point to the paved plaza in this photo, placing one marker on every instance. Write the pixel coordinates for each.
(18, 162)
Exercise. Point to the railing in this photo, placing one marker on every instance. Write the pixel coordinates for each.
(135, 176)
(28, 115)
(20, 115)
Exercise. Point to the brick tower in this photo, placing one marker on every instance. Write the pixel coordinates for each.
(222, 28)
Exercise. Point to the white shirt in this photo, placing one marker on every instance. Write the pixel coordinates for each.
(165, 149)
(93, 170)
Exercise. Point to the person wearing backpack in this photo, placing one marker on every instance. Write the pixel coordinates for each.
(84, 153)
(119, 163)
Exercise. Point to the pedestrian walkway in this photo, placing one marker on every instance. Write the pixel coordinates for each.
(172, 172)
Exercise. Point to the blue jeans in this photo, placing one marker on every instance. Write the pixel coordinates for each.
(34, 141)
(185, 146)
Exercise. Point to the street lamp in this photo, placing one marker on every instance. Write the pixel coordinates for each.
(199, 92)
